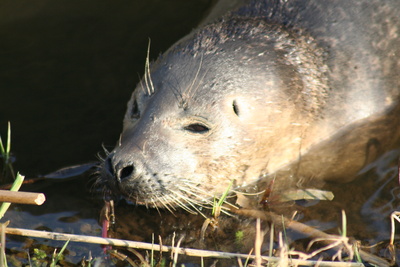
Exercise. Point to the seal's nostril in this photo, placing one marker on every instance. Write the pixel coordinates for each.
(126, 172)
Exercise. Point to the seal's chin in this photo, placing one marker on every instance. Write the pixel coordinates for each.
(149, 199)
(131, 192)
(165, 198)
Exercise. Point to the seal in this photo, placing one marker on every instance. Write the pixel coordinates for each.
(304, 91)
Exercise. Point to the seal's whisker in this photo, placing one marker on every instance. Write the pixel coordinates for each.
(188, 94)
(226, 212)
(182, 205)
(195, 186)
(210, 203)
(147, 76)
(188, 191)
(119, 140)
(195, 208)
(154, 203)
(183, 197)
(165, 204)
(131, 196)
(199, 202)
(145, 89)
(169, 201)
(105, 150)
(191, 203)
(173, 86)
(199, 83)
(191, 200)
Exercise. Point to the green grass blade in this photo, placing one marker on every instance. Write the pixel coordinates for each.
(357, 254)
(59, 255)
(5, 153)
(344, 224)
(6, 148)
(8, 139)
(15, 187)
(19, 179)
(214, 207)
(223, 197)
(2, 151)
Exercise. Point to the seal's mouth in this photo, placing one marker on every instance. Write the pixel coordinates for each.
(139, 184)
(151, 197)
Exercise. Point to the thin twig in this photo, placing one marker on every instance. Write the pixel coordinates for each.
(148, 246)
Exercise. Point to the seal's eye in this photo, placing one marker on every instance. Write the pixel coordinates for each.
(235, 107)
(135, 113)
(197, 128)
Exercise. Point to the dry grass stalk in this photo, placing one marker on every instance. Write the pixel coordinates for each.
(258, 243)
(148, 246)
(327, 239)
(175, 252)
(143, 262)
(3, 244)
(394, 216)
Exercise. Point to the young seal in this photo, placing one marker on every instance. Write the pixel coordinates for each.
(296, 90)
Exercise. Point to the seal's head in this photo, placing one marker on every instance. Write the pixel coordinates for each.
(230, 102)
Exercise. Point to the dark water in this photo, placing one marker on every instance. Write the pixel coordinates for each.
(67, 69)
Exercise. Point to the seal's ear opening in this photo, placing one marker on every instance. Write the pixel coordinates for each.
(235, 107)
